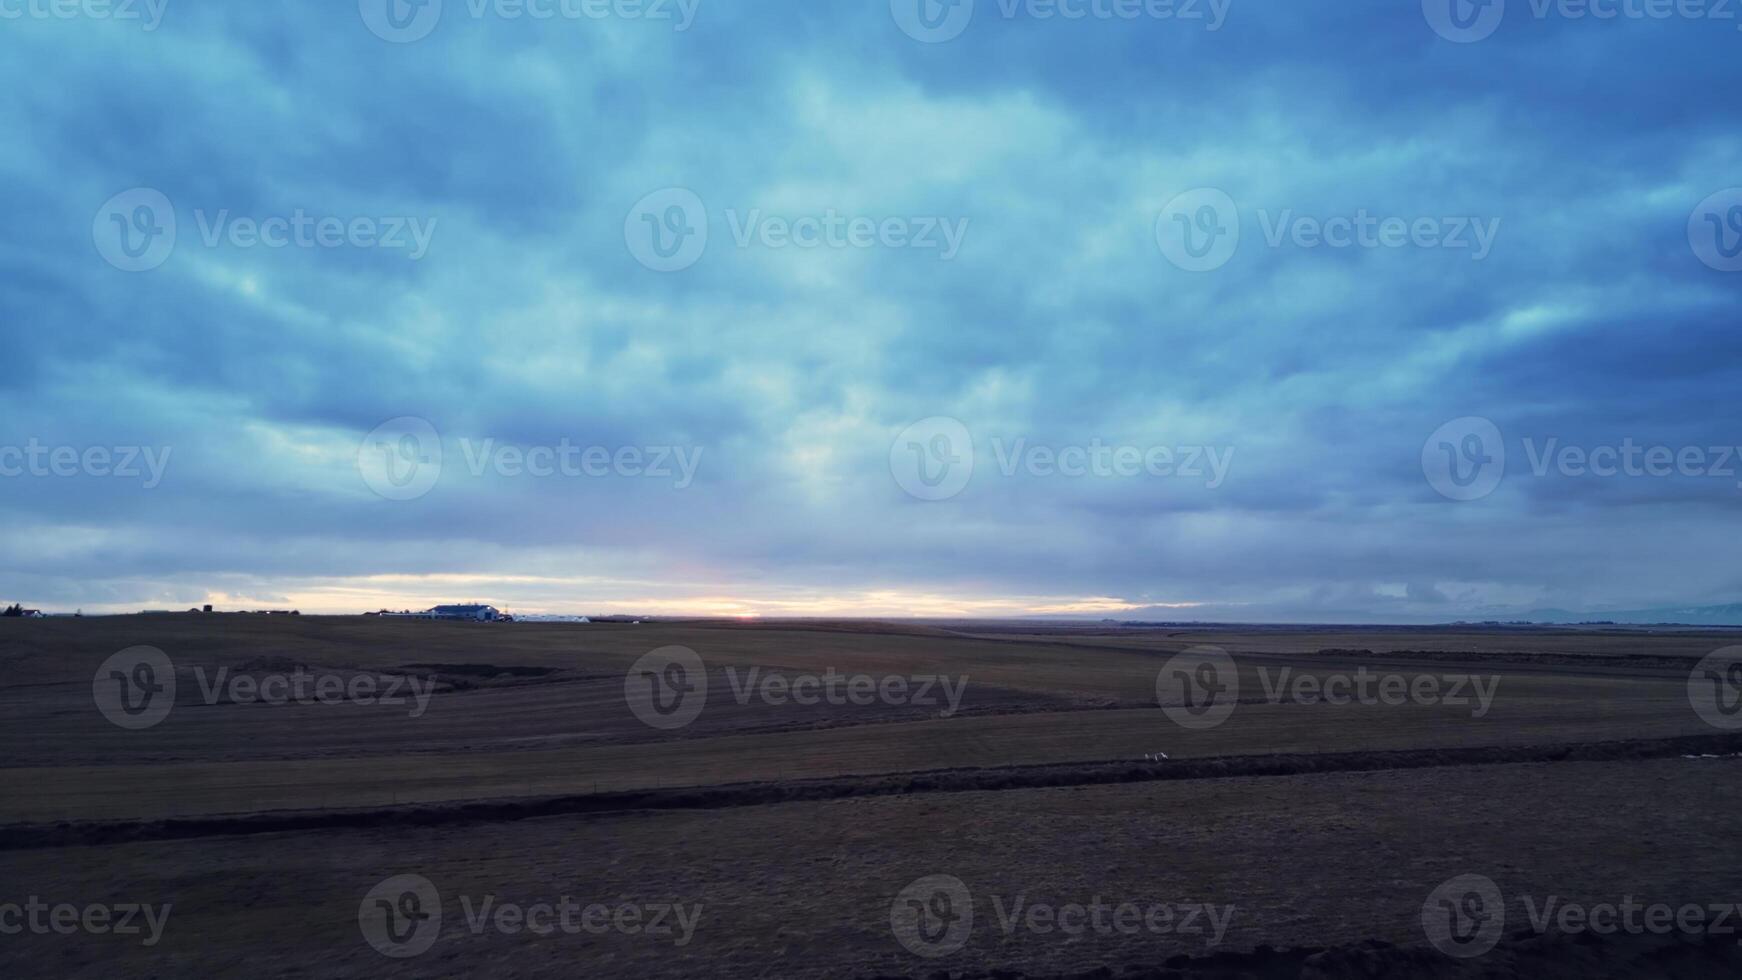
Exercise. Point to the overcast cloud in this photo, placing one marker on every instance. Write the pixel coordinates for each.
(996, 236)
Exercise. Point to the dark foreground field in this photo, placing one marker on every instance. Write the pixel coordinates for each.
(770, 838)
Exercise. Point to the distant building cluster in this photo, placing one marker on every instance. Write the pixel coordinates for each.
(477, 613)
(469, 613)
(466, 612)
(198, 610)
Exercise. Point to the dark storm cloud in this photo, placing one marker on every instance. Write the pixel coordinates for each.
(522, 145)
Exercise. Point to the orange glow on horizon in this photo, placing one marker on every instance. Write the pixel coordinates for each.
(541, 595)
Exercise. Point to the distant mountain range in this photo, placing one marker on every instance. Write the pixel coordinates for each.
(1726, 615)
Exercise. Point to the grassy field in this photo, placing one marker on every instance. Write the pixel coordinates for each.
(540, 711)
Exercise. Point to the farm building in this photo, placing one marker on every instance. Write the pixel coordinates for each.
(482, 614)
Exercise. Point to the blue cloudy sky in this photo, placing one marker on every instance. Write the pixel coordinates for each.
(707, 307)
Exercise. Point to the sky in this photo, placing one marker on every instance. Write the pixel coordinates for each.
(1373, 311)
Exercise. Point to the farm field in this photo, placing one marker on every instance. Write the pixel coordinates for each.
(805, 889)
(1065, 775)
